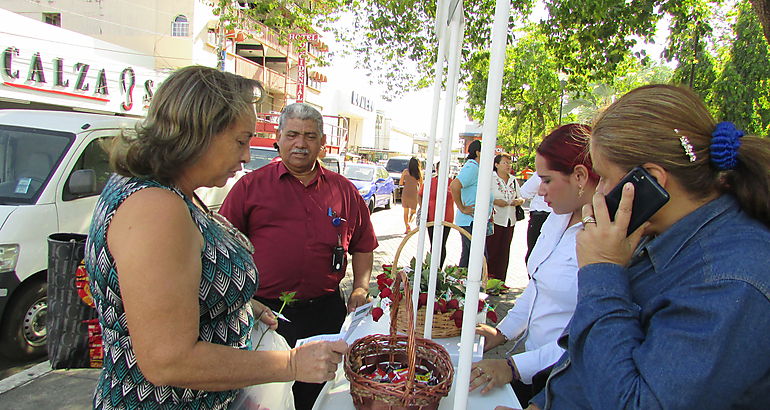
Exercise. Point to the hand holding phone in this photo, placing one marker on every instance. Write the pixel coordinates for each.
(649, 197)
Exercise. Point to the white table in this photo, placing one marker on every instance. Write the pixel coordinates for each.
(336, 394)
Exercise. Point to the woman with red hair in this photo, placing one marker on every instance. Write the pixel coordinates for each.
(542, 312)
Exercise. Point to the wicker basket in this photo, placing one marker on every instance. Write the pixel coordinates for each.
(367, 353)
(443, 324)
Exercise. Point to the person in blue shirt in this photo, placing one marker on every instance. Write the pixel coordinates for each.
(679, 320)
(463, 190)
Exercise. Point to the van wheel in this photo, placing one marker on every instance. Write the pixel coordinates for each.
(371, 205)
(391, 199)
(23, 334)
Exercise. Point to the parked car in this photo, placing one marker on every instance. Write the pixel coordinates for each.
(374, 184)
(332, 162)
(260, 156)
(395, 166)
(54, 166)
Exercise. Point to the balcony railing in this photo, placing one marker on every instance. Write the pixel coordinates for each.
(273, 81)
(270, 38)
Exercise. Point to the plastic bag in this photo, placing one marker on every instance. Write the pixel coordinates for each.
(268, 396)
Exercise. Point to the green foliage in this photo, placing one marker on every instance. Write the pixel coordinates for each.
(387, 32)
(531, 93)
(741, 93)
(449, 281)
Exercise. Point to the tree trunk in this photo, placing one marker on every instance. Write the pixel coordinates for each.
(762, 8)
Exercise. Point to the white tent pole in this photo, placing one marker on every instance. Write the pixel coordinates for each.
(481, 213)
(455, 43)
(438, 68)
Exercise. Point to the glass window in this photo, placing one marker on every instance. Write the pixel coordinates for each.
(53, 19)
(180, 27)
(28, 158)
(94, 157)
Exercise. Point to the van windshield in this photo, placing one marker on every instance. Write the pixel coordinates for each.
(397, 165)
(28, 157)
(260, 157)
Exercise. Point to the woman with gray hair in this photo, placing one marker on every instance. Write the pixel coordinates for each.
(172, 281)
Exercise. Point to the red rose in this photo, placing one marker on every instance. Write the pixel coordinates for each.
(377, 313)
(436, 308)
(422, 300)
(442, 306)
(457, 315)
(382, 276)
(481, 305)
(385, 293)
(453, 304)
(491, 315)
(389, 281)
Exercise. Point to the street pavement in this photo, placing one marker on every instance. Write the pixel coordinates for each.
(40, 388)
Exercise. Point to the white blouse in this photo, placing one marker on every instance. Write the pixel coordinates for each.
(545, 307)
(504, 215)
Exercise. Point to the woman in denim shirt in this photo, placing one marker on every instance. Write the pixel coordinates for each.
(682, 320)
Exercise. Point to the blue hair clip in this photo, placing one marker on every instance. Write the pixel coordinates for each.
(725, 141)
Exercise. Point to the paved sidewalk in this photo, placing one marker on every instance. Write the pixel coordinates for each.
(40, 388)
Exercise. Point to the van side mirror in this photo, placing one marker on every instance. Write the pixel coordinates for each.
(82, 182)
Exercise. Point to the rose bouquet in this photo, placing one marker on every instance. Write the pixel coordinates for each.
(449, 303)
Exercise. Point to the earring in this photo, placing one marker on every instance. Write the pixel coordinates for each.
(580, 191)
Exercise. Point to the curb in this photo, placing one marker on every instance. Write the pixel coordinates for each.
(24, 377)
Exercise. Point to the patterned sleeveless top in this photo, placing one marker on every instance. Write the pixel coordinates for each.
(228, 281)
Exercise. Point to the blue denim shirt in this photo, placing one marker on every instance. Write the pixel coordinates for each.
(685, 326)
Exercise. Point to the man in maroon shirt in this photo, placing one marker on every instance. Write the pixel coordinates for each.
(299, 215)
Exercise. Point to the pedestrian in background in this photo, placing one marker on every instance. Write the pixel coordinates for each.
(505, 190)
(411, 180)
(679, 320)
(538, 211)
(171, 280)
(464, 194)
(302, 220)
(449, 212)
(545, 307)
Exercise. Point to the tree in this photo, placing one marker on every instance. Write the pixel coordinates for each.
(386, 32)
(762, 9)
(531, 94)
(742, 92)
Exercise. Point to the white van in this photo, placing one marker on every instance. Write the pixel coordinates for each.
(53, 167)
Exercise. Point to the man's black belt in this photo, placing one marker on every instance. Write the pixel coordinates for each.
(539, 212)
(301, 303)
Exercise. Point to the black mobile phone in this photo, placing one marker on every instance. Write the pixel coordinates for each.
(649, 197)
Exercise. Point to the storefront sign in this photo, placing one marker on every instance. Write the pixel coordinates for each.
(301, 70)
(360, 101)
(58, 80)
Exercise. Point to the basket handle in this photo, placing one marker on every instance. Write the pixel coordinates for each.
(411, 350)
(484, 274)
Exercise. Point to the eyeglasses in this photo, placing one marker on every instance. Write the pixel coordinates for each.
(228, 227)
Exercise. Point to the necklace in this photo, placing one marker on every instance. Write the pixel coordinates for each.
(227, 226)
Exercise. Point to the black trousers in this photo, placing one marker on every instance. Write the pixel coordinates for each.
(536, 219)
(525, 392)
(443, 242)
(465, 254)
(322, 315)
